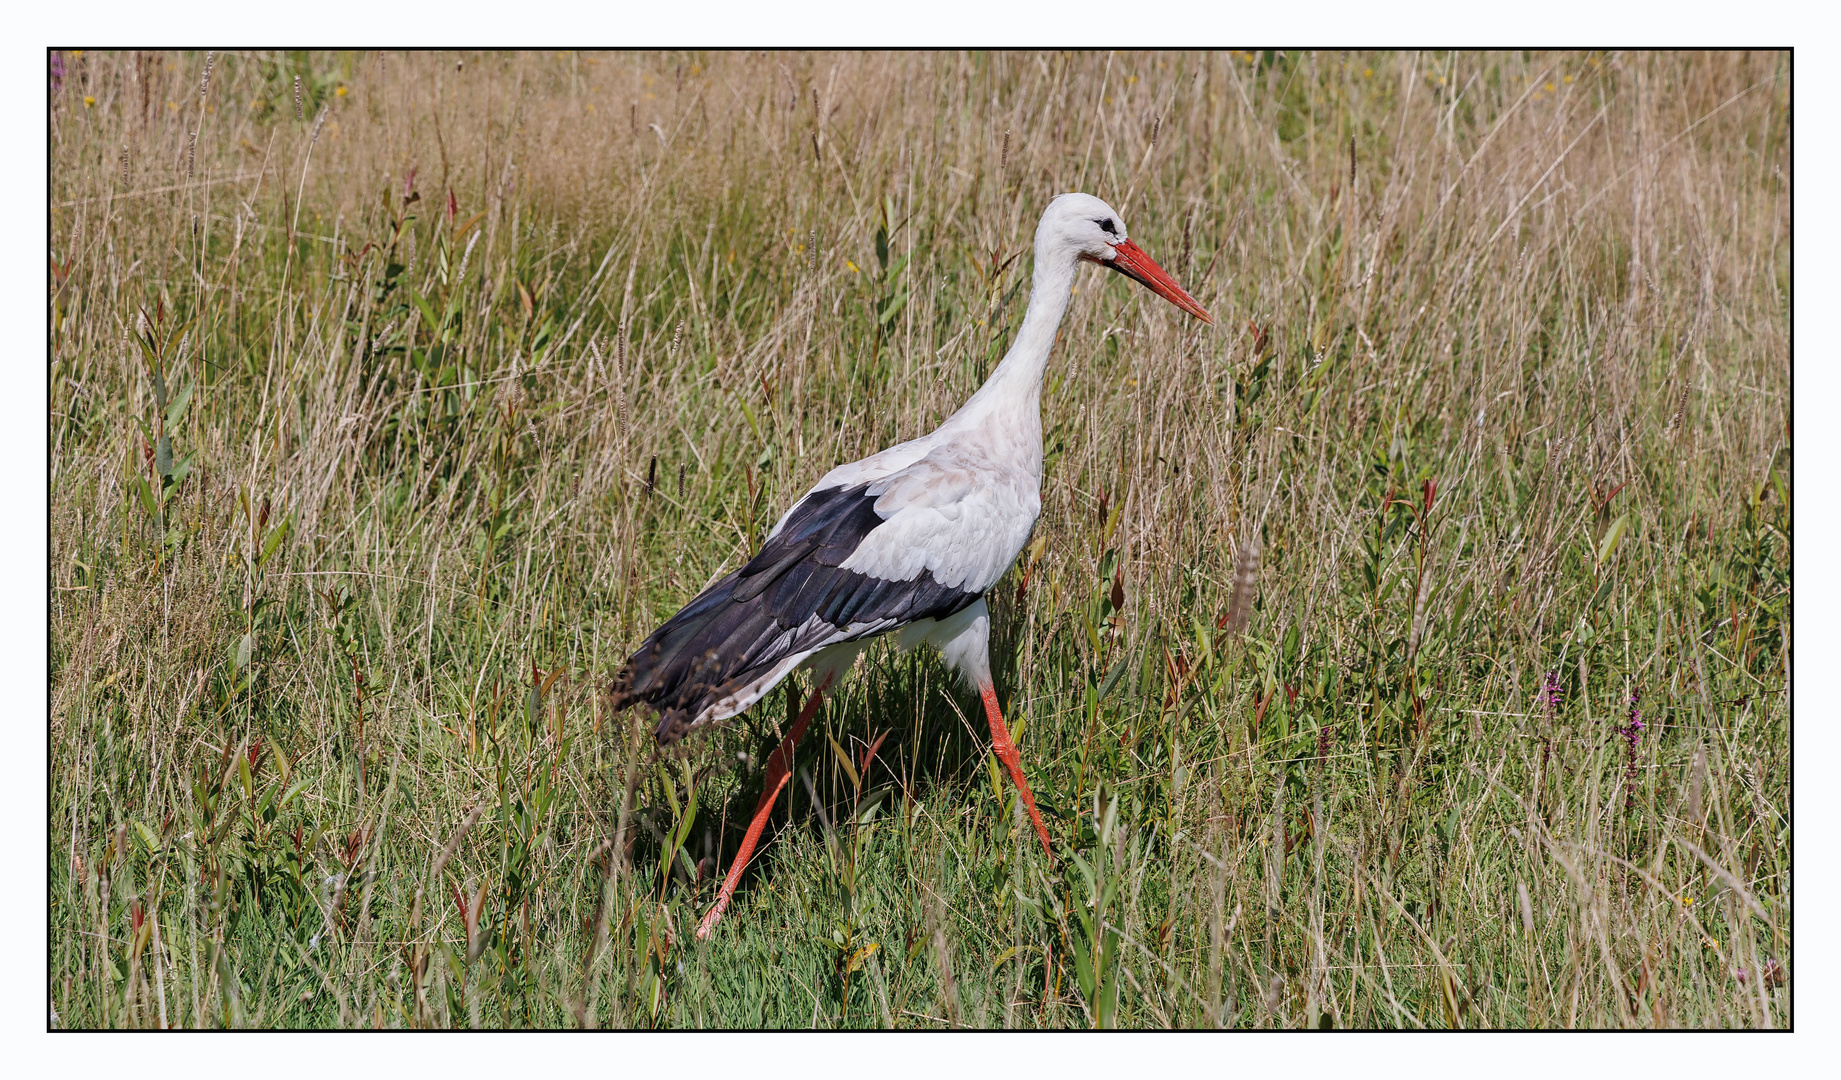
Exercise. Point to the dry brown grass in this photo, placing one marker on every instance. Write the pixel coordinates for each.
(1556, 286)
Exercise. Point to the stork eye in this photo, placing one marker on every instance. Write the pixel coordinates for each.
(1106, 224)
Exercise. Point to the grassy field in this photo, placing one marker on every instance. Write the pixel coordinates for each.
(1409, 649)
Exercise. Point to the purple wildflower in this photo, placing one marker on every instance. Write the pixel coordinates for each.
(1551, 694)
(57, 72)
(1633, 727)
(1632, 732)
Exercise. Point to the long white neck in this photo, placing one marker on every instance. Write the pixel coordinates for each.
(1007, 409)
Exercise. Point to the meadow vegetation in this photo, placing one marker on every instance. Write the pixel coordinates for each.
(1408, 649)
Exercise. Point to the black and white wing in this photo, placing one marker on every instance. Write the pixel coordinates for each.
(744, 633)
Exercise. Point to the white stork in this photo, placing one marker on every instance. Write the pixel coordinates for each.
(908, 539)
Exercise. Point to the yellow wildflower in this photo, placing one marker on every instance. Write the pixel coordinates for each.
(340, 92)
(88, 101)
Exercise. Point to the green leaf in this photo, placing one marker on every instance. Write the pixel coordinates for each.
(1204, 640)
(1083, 969)
(843, 759)
(891, 307)
(671, 793)
(146, 494)
(1612, 536)
(149, 351)
(1108, 1003)
(680, 834)
(871, 804)
(242, 652)
(1599, 595)
(1112, 679)
(163, 455)
(275, 537)
(176, 411)
(428, 313)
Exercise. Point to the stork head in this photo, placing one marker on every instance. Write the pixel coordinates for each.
(1096, 233)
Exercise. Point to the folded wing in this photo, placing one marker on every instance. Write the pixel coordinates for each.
(799, 594)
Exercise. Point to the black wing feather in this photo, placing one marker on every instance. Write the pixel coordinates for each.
(742, 625)
(823, 528)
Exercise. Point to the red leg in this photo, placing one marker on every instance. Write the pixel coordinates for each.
(779, 771)
(1006, 753)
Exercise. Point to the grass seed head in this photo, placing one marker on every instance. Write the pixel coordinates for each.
(1246, 585)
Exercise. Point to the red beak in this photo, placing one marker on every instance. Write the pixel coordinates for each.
(1129, 259)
